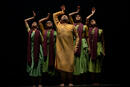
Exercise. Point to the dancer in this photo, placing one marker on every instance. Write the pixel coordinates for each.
(35, 54)
(81, 57)
(97, 49)
(49, 35)
(65, 49)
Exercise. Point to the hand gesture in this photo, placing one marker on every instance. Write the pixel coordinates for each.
(93, 10)
(48, 15)
(63, 7)
(75, 50)
(104, 54)
(89, 50)
(34, 14)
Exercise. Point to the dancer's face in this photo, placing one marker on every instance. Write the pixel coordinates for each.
(34, 25)
(93, 22)
(78, 17)
(64, 18)
(49, 24)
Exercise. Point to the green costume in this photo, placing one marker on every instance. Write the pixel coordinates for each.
(35, 71)
(96, 65)
(81, 62)
(46, 63)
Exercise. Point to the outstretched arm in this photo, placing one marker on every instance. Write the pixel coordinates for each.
(42, 20)
(73, 13)
(28, 19)
(55, 15)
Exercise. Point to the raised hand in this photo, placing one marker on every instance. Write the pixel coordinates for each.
(34, 14)
(44, 19)
(62, 7)
(48, 15)
(73, 13)
(93, 10)
(78, 9)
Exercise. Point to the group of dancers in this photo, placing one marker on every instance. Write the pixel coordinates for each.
(73, 48)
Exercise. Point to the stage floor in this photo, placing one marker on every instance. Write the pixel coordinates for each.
(101, 85)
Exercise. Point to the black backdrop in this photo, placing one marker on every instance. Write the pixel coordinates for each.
(110, 16)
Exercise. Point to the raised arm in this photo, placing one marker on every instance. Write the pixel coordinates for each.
(42, 20)
(55, 15)
(88, 17)
(28, 19)
(73, 13)
(77, 40)
(93, 11)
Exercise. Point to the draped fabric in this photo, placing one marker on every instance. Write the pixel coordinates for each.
(51, 46)
(93, 37)
(37, 42)
(51, 49)
(79, 30)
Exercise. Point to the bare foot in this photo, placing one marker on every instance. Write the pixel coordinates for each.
(70, 85)
(39, 85)
(96, 84)
(34, 86)
(62, 85)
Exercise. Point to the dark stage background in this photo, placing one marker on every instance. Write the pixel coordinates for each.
(110, 16)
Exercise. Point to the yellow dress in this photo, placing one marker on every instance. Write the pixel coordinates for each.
(64, 60)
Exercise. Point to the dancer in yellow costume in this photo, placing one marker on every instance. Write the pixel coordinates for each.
(65, 49)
